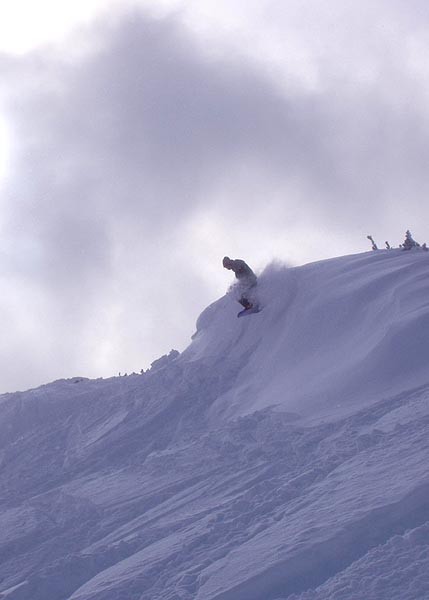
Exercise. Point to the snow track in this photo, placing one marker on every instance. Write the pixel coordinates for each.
(282, 456)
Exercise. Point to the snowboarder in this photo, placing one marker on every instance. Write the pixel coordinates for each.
(247, 282)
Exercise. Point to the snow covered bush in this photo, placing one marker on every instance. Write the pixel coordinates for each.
(409, 242)
(374, 245)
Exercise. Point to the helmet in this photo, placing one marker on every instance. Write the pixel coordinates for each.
(226, 261)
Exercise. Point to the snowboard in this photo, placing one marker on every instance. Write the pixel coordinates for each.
(249, 311)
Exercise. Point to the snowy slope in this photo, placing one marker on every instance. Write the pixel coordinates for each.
(280, 456)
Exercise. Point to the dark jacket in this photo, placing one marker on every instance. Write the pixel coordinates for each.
(243, 272)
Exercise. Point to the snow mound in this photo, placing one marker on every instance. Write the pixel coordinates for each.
(403, 561)
(280, 456)
(331, 335)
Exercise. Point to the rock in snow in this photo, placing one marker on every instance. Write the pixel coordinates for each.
(280, 456)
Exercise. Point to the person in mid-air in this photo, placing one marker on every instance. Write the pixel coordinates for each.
(246, 278)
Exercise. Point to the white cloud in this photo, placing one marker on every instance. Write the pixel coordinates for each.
(26, 25)
(5, 148)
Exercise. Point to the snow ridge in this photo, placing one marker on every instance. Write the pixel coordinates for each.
(280, 456)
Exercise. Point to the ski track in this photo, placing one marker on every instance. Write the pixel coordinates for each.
(185, 483)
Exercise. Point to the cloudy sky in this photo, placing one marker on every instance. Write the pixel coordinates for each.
(140, 142)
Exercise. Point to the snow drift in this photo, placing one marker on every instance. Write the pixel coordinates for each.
(280, 456)
(331, 334)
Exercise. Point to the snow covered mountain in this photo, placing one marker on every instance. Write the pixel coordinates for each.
(281, 456)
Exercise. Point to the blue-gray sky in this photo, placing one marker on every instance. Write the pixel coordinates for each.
(141, 143)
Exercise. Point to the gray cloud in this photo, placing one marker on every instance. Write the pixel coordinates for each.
(117, 150)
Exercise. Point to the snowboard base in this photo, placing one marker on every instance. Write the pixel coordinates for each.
(249, 311)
